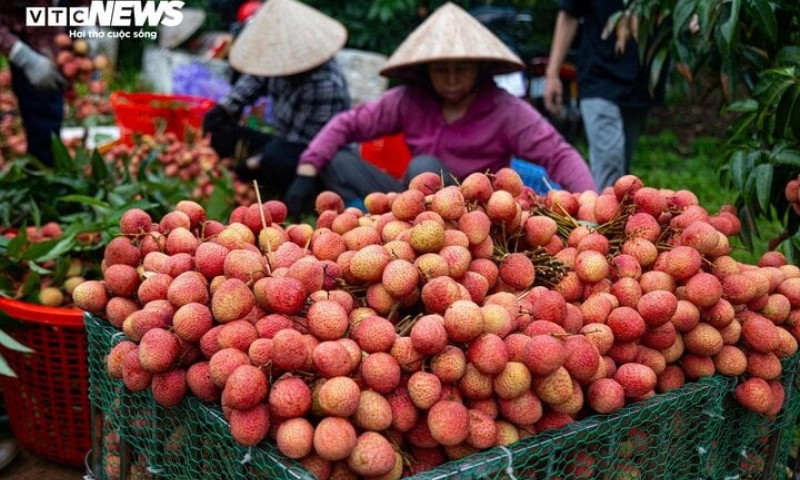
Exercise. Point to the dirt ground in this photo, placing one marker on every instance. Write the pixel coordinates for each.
(700, 114)
(29, 467)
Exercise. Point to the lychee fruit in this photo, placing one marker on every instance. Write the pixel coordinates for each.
(448, 422)
(372, 455)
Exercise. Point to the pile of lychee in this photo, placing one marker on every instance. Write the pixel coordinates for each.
(74, 60)
(87, 94)
(12, 137)
(191, 160)
(112, 460)
(444, 321)
(55, 286)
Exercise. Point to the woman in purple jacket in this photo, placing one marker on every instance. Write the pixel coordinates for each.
(455, 120)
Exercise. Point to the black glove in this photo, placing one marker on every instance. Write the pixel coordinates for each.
(215, 118)
(300, 196)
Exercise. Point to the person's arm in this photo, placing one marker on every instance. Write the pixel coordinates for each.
(565, 31)
(245, 91)
(365, 122)
(535, 139)
(40, 70)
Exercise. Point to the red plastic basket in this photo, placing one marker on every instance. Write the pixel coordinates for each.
(389, 153)
(48, 403)
(146, 113)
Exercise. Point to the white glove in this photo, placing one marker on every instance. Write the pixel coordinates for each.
(41, 72)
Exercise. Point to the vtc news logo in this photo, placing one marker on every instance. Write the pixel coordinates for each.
(115, 13)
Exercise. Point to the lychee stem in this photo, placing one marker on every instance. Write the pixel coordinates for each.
(261, 212)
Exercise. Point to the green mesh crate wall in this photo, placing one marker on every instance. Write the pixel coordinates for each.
(668, 437)
(110, 452)
(117, 459)
(189, 441)
(751, 443)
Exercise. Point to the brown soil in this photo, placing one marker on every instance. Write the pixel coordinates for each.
(699, 114)
(688, 121)
(30, 467)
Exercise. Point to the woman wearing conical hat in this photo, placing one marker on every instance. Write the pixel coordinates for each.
(454, 118)
(285, 52)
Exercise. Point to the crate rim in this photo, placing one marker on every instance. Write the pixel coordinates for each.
(53, 316)
(117, 97)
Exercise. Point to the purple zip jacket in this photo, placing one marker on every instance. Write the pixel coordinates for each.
(495, 127)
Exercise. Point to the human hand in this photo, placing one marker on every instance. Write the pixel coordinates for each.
(300, 196)
(553, 94)
(40, 70)
(247, 168)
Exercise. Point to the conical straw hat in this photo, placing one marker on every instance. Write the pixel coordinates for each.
(171, 37)
(451, 33)
(286, 37)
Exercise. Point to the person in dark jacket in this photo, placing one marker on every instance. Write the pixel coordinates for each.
(286, 53)
(612, 84)
(35, 78)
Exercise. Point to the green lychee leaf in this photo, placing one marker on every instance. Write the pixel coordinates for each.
(10, 343)
(5, 369)
(36, 251)
(85, 199)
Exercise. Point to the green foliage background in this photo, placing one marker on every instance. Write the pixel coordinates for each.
(753, 48)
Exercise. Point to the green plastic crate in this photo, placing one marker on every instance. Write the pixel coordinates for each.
(671, 436)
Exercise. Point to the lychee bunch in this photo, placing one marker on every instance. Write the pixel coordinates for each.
(444, 320)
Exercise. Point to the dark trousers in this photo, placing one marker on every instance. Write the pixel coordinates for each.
(279, 157)
(353, 177)
(41, 112)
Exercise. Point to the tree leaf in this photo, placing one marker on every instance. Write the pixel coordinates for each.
(787, 111)
(37, 250)
(764, 18)
(65, 245)
(5, 369)
(9, 342)
(788, 55)
(772, 85)
(100, 171)
(763, 184)
(792, 249)
(36, 214)
(144, 166)
(611, 24)
(62, 162)
(738, 167)
(786, 157)
(708, 12)
(32, 283)
(742, 106)
(219, 204)
(659, 62)
(741, 131)
(681, 14)
(14, 249)
(727, 29)
(84, 199)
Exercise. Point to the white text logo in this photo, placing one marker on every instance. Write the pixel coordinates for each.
(115, 13)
